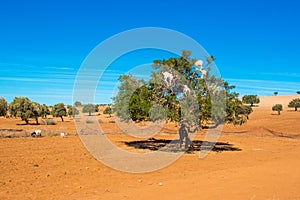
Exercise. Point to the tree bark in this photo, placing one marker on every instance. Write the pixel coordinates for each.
(62, 119)
(37, 120)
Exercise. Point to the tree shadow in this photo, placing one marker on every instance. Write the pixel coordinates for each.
(197, 145)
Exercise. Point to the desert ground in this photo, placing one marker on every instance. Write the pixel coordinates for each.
(264, 165)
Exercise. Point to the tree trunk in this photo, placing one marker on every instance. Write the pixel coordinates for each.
(37, 120)
(62, 119)
(278, 112)
(27, 121)
(90, 113)
(296, 108)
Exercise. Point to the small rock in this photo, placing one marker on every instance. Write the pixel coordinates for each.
(160, 184)
(86, 167)
(140, 180)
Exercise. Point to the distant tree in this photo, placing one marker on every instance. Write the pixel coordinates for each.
(298, 92)
(244, 110)
(37, 111)
(251, 99)
(3, 106)
(44, 111)
(89, 108)
(24, 108)
(77, 104)
(275, 93)
(295, 103)
(108, 111)
(59, 110)
(97, 107)
(278, 108)
(72, 111)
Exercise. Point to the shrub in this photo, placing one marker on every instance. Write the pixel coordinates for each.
(88, 121)
(48, 122)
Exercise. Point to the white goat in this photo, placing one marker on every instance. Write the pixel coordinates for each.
(203, 72)
(168, 78)
(198, 63)
(186, 90)
(36, 133)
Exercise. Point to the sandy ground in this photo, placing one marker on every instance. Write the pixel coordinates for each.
(267, 167)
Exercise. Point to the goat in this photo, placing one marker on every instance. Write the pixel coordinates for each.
(168, 78)
(186, 90)
(36, 133)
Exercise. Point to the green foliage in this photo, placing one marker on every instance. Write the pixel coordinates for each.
(298, 92)
(278, 108)
(251, 99)
(72, 111)
(140, 104)
(44, 111)
(24, 108)
(121, 101)
(77, 104)
(108, 111)
(136, 98)
(295, 103)
(275, 93)
(89, 108)
(3, 106)
(59, 110)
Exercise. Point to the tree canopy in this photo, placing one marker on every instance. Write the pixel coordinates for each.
(77, 104)
(295, 103)
(89, 108)
(278, 108)
(72, 111)
(24, 108)
(3, 106)
(108, 111)
(251, 99)
(44, 111)
(59, 110)
(180, 88)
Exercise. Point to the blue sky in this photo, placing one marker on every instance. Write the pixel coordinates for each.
(43, 43)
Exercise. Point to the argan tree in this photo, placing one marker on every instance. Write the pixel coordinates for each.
(295, 103)
(108, 111)
(77, 104)
(278, 108)
(250, 99)
(3, 106)
(139, 100)
(44, 111)
(89, 108)
(59, 110)
(24, 108)
(72, 111)
(275, 93)
(298, 92)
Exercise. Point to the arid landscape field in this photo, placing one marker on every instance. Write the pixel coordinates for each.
(264, 163)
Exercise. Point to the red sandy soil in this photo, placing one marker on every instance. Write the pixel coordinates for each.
(267, 167)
